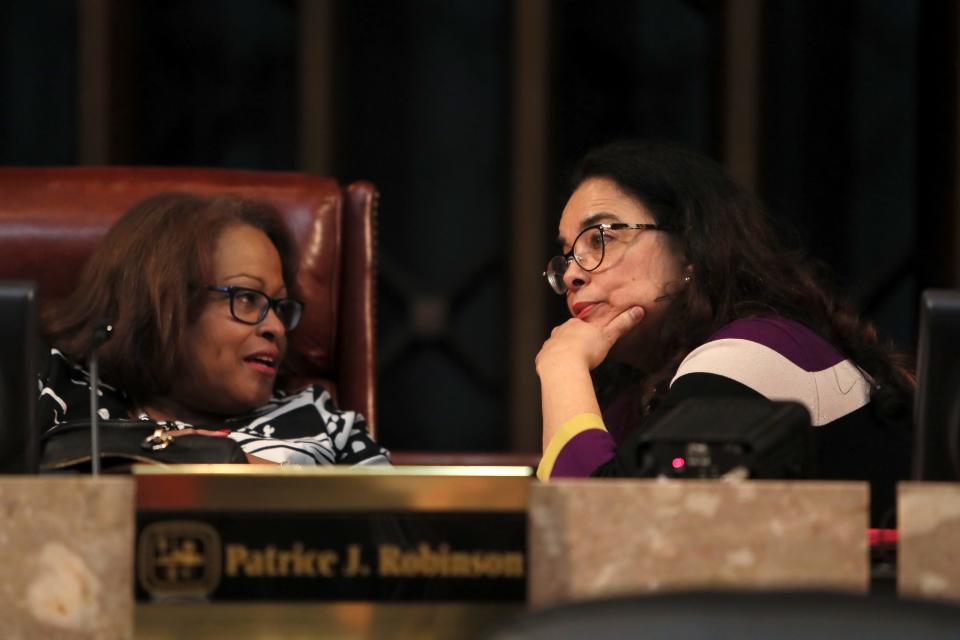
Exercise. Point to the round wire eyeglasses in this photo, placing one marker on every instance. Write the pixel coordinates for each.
(589, 249)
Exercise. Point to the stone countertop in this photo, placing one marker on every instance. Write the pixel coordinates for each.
(66, 546)
(598, 537)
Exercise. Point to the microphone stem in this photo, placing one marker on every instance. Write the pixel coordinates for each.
(94, 417)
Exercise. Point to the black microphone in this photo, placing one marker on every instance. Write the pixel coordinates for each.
(101, 333)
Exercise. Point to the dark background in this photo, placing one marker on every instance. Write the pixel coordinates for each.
(853, 144)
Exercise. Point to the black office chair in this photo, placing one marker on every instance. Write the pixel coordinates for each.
(738, 615)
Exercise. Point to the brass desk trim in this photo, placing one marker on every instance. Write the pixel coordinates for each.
(333, 489)
(294, 621)
(332, 470)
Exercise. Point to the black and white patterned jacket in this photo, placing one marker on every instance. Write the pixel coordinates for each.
(298, 428)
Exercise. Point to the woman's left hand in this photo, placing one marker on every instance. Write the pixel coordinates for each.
(190, 431)
(219, 433)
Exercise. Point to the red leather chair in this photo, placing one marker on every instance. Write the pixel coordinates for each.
(51, 218)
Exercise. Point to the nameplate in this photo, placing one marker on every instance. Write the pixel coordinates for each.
(410, 535)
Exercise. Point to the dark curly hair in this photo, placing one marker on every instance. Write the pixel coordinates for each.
(740, 268)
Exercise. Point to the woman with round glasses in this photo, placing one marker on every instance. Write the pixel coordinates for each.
(676, 283)
(201, 295)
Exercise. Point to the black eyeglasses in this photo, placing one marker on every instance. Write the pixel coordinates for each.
(250, 306)
(589, 249)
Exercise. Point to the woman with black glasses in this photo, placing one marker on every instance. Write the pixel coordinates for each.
(200, 295)
(677, 285)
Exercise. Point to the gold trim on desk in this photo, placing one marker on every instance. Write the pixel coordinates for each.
(340, 489)
(248, 620)
(332, 470)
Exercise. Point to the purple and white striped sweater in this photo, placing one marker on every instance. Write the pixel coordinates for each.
(775, 357)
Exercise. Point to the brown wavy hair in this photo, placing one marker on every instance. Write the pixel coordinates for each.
(740, 269)
(148, 278)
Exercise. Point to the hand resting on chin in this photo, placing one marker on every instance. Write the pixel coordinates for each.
(564, 363)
